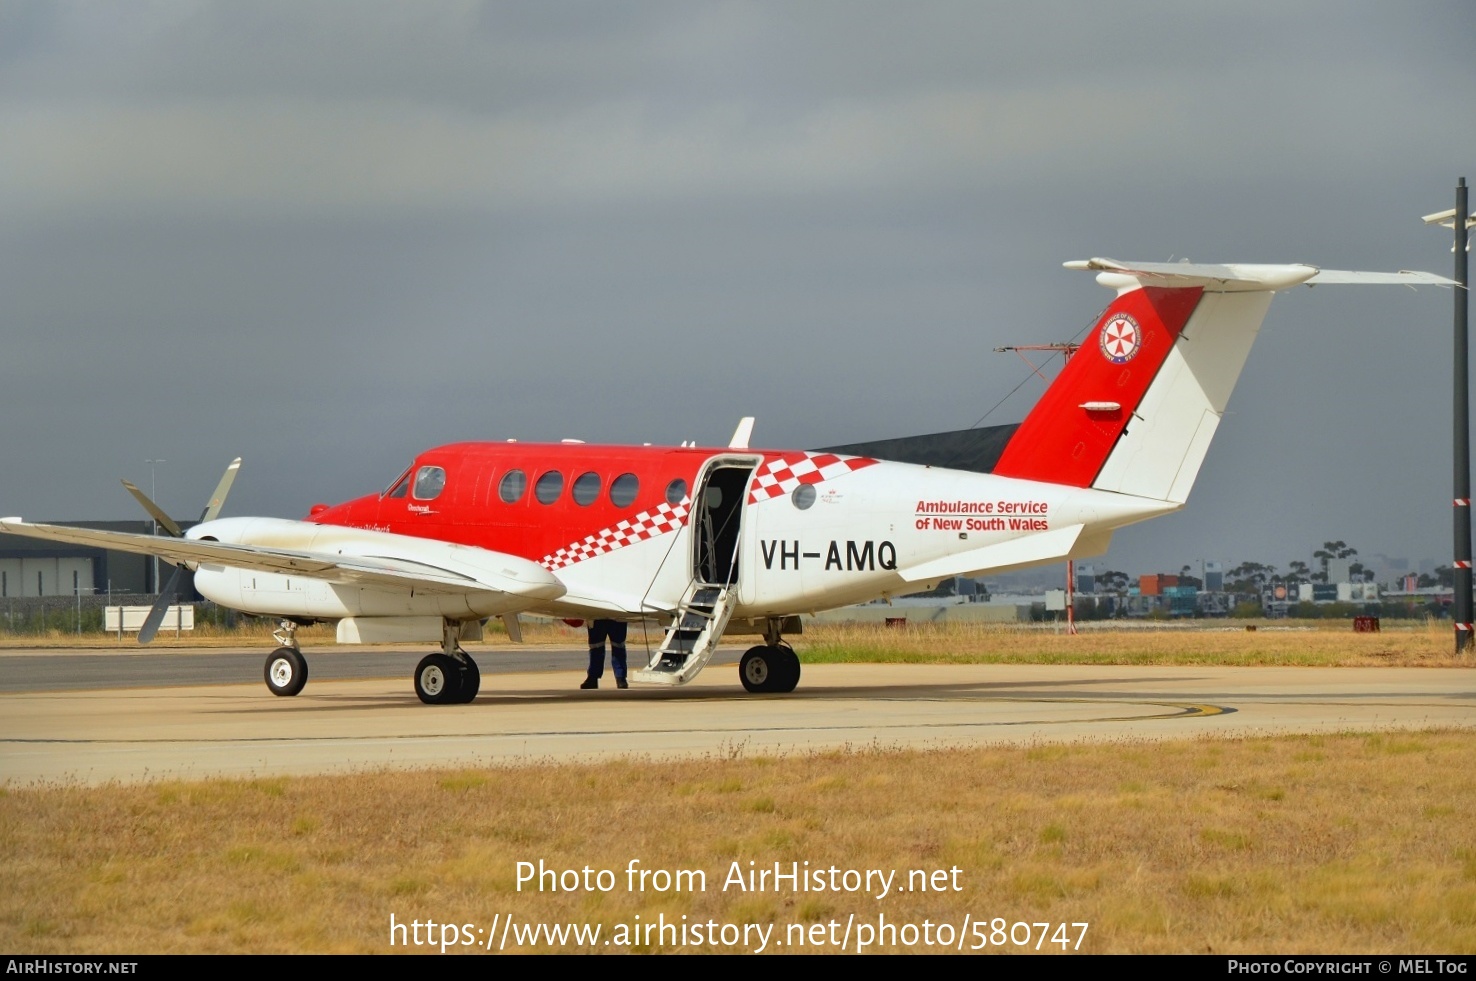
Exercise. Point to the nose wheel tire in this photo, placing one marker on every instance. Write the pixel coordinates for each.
(773, 669)
(286, 671)
(438, 680)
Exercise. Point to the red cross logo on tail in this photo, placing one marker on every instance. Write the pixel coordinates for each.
(1120, 339)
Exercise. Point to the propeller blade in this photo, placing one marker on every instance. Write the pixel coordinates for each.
(161, 606)
(212, 510)
(165, 521)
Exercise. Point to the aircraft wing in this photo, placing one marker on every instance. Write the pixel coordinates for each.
(368, 570)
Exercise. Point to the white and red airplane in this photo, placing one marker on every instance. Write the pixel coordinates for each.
(708, 538)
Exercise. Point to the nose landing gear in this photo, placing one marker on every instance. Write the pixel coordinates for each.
(286, 669)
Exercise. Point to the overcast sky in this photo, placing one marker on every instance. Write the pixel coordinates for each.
(325, 236)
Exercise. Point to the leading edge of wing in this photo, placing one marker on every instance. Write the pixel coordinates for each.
(376, 570)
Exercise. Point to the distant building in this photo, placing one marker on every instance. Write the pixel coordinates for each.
(36, 567)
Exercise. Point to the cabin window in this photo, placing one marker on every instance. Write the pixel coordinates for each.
(676, 492)
(549, 487)
(586, 489)
(514, 483)
(803, 496)
(429, 482)
(624, 490)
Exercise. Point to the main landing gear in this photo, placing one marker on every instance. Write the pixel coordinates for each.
(447, 677)
(772, 667)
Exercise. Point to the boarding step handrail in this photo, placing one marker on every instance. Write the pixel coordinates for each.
(690, 641)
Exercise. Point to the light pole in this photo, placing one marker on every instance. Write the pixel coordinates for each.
(154, 496)
(1461, 221)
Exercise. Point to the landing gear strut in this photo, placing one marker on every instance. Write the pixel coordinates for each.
(286, 669)
(771, 668)
(449, 676)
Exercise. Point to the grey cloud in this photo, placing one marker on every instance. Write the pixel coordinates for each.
(325, 236)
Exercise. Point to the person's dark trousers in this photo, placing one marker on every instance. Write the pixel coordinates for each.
(599, 631)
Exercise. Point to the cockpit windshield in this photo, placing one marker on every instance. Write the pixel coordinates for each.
(401, 484)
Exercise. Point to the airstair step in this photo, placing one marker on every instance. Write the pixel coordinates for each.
(692, 636)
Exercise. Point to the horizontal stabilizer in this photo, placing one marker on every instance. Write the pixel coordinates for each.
(1407, 277)
(1237, 277)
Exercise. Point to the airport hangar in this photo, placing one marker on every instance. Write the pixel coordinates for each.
(33, 567)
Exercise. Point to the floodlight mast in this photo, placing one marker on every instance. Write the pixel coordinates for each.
(1460, 221)
(153, 495)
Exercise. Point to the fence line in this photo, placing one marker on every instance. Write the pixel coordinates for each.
(84, 614)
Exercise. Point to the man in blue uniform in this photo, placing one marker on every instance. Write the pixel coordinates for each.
(599, 630)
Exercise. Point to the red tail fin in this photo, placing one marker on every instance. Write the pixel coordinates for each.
(1067, 436)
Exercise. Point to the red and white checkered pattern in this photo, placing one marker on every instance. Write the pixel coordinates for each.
(647, 524)
(781, 474)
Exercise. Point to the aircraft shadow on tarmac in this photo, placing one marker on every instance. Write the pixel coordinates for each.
(1064, 690)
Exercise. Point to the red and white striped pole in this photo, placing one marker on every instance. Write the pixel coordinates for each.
(1462, 607)
(1460, 221)
(1462, 569)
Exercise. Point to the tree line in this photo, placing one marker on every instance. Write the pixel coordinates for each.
(1254, 577)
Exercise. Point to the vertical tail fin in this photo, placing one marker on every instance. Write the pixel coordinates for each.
(1074, 428)
(1134, 410)
(1160, 454)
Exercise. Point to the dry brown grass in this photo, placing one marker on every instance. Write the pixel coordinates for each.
(1224, 642)
(1349, 843)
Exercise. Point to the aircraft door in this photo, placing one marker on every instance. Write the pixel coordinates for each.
(717, 521)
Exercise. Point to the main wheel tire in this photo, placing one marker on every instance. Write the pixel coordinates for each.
(789, 668)
(771, 670)
(471, 679)
(438, 679)
(286, 671)
(757, 669)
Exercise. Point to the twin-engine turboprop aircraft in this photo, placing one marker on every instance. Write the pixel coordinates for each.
(706, 538)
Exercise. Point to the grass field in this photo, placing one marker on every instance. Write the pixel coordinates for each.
(1349, 843)
(1304, 643)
